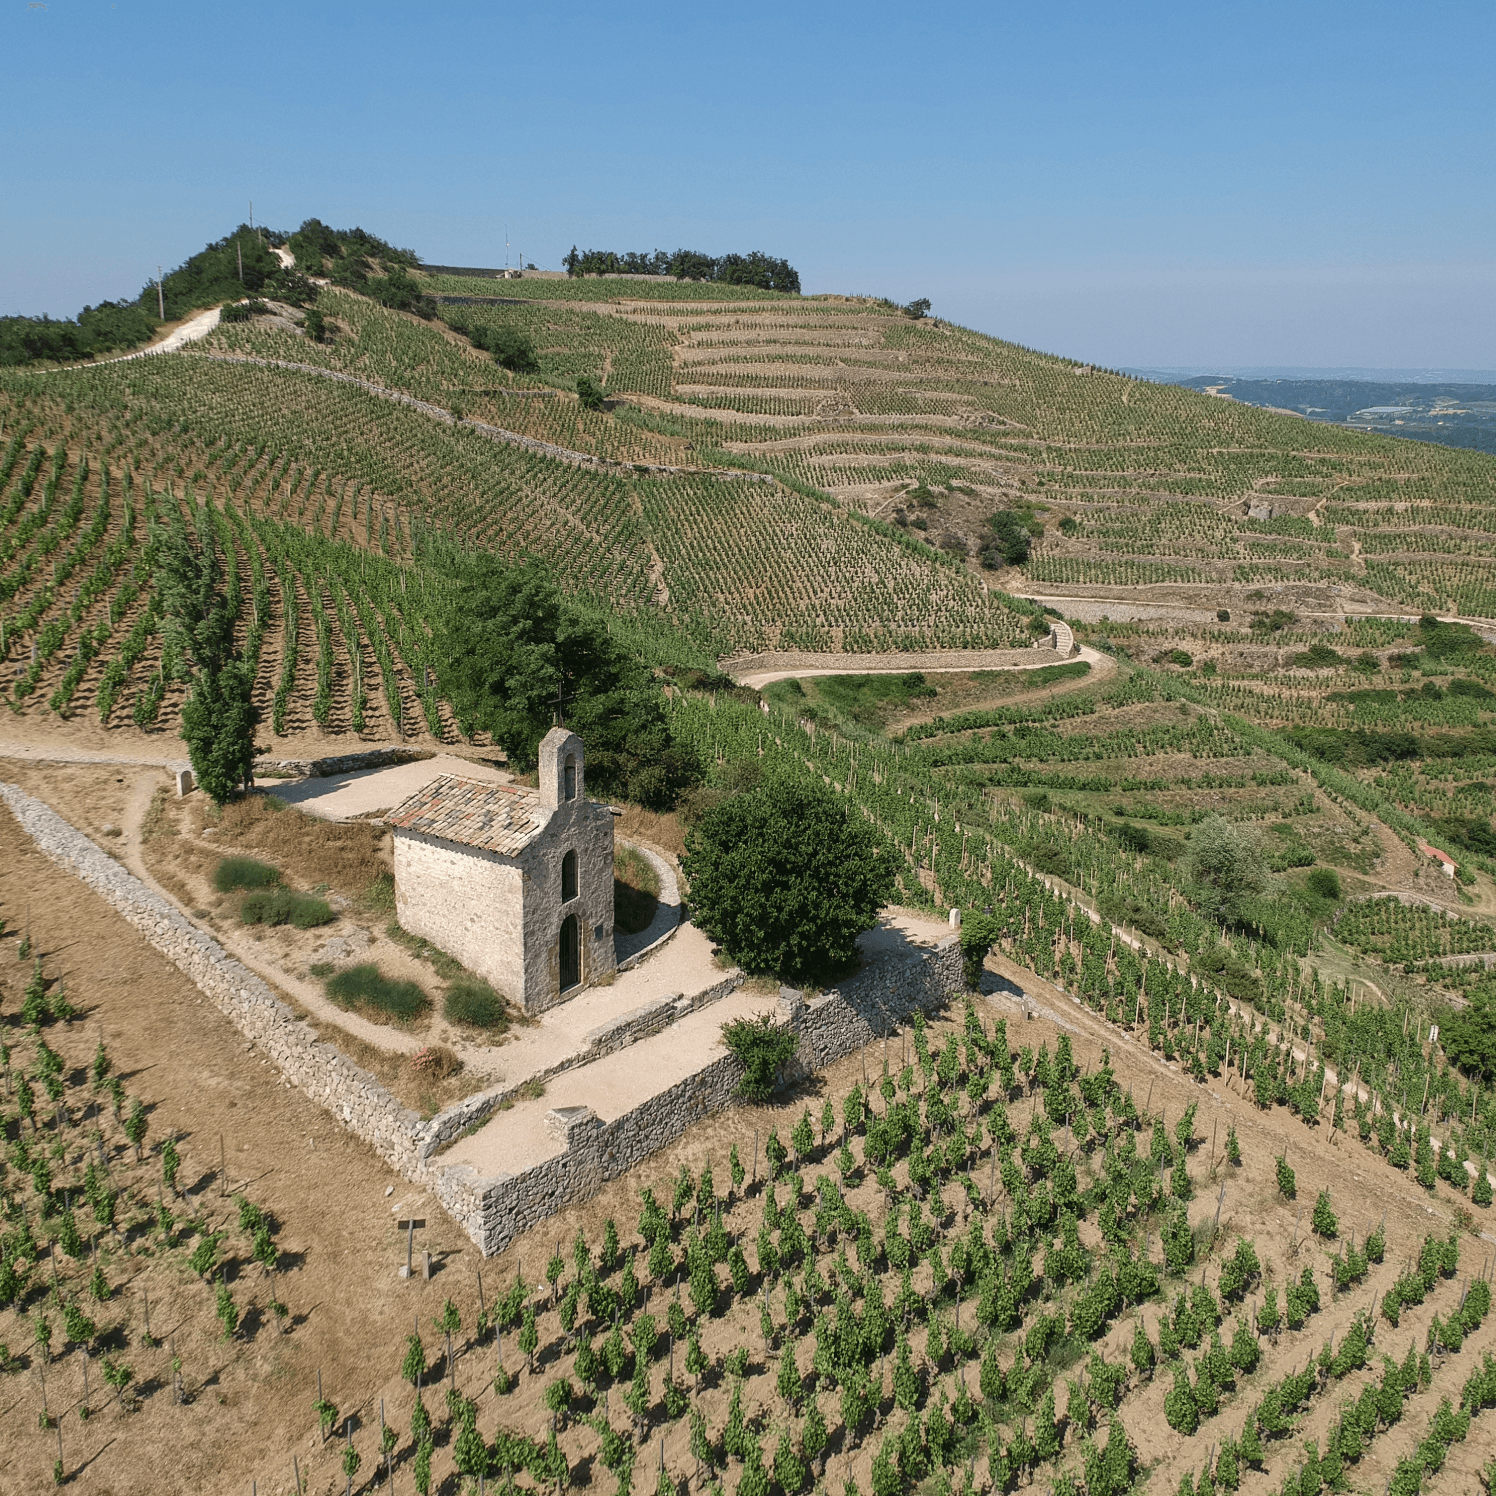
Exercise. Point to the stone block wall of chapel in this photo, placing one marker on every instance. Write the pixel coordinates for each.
(467, 902)
(586, 828)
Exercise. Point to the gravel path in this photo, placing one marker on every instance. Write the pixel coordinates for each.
(59, 753)
(768, 667)
(189, 332)
(668, 910)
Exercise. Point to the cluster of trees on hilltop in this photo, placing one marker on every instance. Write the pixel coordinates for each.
(213, 275)
(756, 269)
(238, 265)
(362, 262)
(352, 253)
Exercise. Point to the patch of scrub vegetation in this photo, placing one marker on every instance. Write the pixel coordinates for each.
(234, 873)
(283, 906)
(471, 1002)
(868, 701)
(366, 989)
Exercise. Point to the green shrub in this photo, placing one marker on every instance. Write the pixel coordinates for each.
(1318, 657)
(1325, 882)
(471, 1001)
(786, 879)
(1441, 640)
(242, 311)
(280, 906)
(244, 872)
(366, 986)
(764, 1048)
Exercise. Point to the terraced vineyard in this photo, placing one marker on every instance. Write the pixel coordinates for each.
(325, 494)
(1173, 496)
(817, 475)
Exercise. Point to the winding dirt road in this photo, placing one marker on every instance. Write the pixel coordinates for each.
(935, 662)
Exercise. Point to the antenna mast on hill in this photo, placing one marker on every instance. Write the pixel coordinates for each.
(160, 294)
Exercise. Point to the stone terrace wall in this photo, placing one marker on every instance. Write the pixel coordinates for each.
(865, 1008)
(343, 763)
(607, 1038)
(492, 1211)
(495, 1211)
(328, 1078)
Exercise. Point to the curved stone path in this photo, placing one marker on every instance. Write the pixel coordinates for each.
(668, 916)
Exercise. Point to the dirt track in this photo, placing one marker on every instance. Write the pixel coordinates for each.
(932, 662)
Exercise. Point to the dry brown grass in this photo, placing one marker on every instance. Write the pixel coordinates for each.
(308, 851)
(661, 830)
(426, 1088)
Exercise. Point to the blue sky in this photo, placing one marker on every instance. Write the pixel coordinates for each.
(1142, 185)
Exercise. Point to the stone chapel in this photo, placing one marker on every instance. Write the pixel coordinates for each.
(516, 883)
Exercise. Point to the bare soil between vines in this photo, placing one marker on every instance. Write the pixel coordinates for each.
(251, 1408)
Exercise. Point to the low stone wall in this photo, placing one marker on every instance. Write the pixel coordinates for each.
(496, 1210)
(883, 664)
(606, 1039)
(364, 1106)
(652, 1018)
(345, 763)
(868, 1006)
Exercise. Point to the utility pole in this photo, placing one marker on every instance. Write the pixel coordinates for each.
(160, 295)
(239, 250)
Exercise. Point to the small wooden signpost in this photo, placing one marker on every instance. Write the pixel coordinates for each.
(410, 1227)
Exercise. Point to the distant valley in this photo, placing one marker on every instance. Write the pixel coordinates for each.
(1454, 415)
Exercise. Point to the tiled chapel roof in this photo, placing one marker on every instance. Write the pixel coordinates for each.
(502, 818)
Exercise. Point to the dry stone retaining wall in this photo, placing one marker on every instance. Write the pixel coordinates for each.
(364, 1106)
(493, 1211)
(880, 664)
(346, 763)
(496, 1210)
(606, 1039)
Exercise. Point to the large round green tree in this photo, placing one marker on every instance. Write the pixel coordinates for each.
(786, 878)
